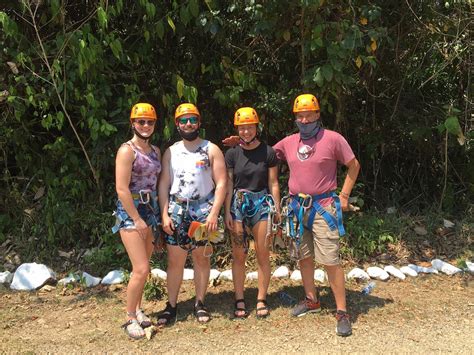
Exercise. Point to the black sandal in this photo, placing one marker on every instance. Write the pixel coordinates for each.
(264, 308)
(168, 315)
(240, 309)
(200, 311)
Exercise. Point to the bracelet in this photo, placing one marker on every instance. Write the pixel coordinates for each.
(343, 194)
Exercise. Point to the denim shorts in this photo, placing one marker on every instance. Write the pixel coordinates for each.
(250, 214)
(149, 212)
(182, 214)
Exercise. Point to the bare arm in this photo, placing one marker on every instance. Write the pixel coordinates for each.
(123, 173)
(219, 176)
(158, 154)
(228, 199)
(351, 177)
(274, 186)
(231, 141)
(164, 191)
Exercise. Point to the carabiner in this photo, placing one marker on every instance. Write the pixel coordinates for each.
(143, 193)
(306, 200)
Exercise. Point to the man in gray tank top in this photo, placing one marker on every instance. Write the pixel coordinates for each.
(192, 188)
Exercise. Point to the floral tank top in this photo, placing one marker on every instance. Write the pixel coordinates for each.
(145, 169)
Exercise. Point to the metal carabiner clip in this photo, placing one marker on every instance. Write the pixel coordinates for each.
(307, 200)
(143, 194)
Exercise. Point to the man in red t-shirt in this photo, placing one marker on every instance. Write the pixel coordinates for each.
(312, 156)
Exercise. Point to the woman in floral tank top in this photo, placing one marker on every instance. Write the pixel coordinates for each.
(137, 168)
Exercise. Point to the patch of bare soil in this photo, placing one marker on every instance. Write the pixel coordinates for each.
(425, 314)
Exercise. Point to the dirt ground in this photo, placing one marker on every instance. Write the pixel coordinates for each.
(425, 314)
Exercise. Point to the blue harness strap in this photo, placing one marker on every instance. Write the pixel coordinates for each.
(297, 208)
(332, 221)
(248, 207)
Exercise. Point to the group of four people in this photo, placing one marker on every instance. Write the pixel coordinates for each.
(196, 180)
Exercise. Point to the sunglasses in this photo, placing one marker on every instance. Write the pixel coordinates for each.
(192, 120)
(145, 122)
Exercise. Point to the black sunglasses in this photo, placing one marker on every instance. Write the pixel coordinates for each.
(145, 122)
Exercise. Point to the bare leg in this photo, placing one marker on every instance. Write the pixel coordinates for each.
(337, 282)
(149, 251)
(202, 269)
(174, 278)
(137, 252)
(263, 261)
(307, 274)
(238, 265)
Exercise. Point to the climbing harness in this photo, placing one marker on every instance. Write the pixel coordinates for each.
(294, 209)
(188, 212)
(249, 203)
(148, 199)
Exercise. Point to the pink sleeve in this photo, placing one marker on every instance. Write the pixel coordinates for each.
(344, 153)
(280, 150)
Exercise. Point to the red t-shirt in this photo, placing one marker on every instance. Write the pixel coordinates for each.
(313, 170)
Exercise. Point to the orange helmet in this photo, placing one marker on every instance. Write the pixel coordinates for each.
(245, 115)
(306, 102)
(186, 109)
(143, 110)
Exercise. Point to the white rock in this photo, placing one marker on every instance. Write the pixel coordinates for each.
(358, 274)
(408, 271)
(448, 223)
(158, 273)
(90, 280)
(69, 279)
(296, 275)
(113, 277)
(445, 267)
(377, 273)
(188, 274)
(214, 275)
(422, 269)
(470, 267)
(30, 276)
(319, 275)
(281, 272)
(6, 277)
(392, 270)
(252, 275)
(428, 270)
(226, 275)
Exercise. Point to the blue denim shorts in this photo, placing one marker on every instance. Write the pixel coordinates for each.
(182, 214)
(149, 212)
(247, 209)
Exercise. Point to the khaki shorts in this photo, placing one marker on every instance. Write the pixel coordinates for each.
(321, 243)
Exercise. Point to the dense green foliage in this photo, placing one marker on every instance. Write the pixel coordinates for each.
(393, 76)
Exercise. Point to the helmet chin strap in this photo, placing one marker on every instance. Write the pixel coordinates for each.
(146, 139)
(244, 142)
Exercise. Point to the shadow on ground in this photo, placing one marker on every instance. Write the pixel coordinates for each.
(221, 303)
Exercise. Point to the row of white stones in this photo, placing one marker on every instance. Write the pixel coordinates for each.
(31, 276)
